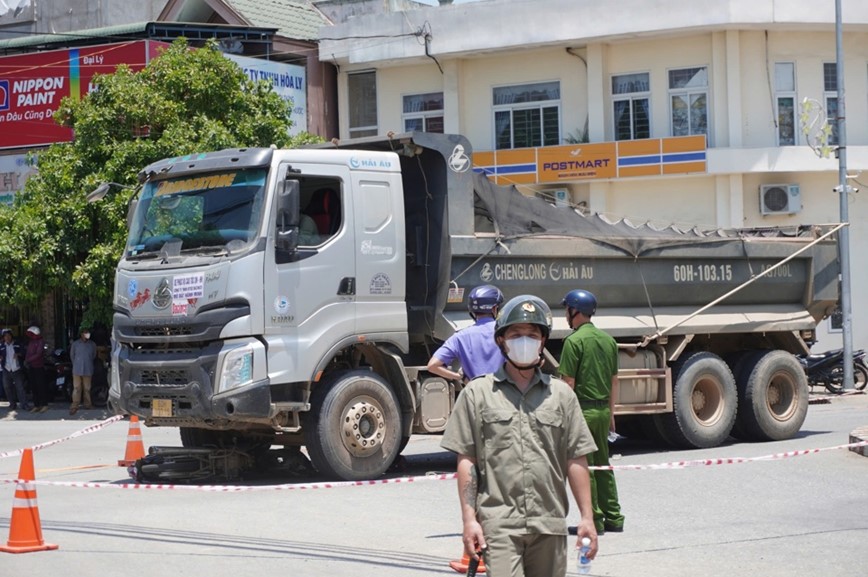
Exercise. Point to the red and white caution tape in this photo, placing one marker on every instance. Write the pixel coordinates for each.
(240, 488)
(420, 478)
(85, 431)
(726, 460)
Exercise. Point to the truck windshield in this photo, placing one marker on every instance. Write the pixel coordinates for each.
(214, 213)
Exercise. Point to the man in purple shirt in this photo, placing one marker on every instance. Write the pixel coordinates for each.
(473, 347)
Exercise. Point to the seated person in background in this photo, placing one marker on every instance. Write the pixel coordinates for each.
(307, 231)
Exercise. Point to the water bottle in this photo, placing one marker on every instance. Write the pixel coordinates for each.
(584, 562)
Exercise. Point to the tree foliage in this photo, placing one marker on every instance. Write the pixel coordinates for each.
(184, 101)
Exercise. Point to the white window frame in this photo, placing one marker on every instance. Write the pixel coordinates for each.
(786, 92)
(512, 108)
(828, 97)
(424, 115)
(631, 98)
(688, 93)
(361, 130)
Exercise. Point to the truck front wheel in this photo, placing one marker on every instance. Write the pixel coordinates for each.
(353, 429)
(704, 403)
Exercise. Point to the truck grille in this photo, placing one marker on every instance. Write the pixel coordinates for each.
(167, 377)
(180, 331)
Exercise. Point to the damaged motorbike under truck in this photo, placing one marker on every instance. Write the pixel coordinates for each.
(293, 297)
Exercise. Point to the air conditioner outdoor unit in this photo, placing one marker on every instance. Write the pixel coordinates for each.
(561, 197)
(780, 199)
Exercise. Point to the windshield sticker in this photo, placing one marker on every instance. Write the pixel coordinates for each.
(381, 284)
(199, 183)
(188, 286)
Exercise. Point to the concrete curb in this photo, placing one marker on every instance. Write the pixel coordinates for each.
(858, 436)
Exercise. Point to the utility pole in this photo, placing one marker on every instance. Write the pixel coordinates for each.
(844, 197)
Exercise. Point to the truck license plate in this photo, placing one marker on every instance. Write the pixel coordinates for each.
(161, 408)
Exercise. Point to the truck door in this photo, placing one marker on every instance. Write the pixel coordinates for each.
(381, 253)
(310, 302)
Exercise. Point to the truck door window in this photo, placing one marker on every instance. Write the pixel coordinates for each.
(321, 215)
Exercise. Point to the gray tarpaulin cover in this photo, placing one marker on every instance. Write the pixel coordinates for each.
(517, 215)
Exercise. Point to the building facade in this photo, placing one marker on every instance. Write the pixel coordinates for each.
(523, 80)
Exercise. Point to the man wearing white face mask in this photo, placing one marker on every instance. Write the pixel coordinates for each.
(520, 438)
(82, 354)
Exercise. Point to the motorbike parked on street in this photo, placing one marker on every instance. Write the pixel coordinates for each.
(827, 370)
(58, 373)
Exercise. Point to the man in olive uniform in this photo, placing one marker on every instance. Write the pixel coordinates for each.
(520, 436)
(589, 364)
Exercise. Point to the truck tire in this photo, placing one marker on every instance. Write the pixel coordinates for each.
(353, 429)
(739, 362)
(773, 396)
(704, 401)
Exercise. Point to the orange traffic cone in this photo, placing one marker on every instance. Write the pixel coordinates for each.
(135, 447)
(25, 530)
(461, 566)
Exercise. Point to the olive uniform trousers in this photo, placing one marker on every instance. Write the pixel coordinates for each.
(604, 491)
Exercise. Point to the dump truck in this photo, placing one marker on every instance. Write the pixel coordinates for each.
(294, 297)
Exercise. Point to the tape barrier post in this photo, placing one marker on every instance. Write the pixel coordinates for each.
(25, 530)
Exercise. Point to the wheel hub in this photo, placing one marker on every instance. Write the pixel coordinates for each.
(698, 401)
(774, 395)
(364, 427)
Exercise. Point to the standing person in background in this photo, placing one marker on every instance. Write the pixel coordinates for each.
(82, 354)
(473, 347)
(520, 439)
(12, 360)
(589, 364)
(34, 361)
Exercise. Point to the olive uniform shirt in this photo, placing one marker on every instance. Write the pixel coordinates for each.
(590, 356)
(522, 443)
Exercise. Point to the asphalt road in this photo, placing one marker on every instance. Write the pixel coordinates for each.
(804, 515)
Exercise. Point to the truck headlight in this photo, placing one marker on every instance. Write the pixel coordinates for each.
(237, 369)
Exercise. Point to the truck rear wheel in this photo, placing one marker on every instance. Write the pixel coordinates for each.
(353, 429)
(773, 397)
(739, 362)
(704, 402)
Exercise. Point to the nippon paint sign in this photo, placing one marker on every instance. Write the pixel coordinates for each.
(288, 80)
(32, 86)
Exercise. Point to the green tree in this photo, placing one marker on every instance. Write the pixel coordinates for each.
(184, 101)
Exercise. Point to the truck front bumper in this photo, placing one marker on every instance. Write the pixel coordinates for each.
(177, 390)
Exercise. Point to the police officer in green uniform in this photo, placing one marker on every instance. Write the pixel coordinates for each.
(520, 437)
(589, 363)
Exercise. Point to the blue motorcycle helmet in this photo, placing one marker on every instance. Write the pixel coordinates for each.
(582, 301)
(483, 299)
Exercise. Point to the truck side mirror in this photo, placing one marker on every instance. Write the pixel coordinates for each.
(286, 224)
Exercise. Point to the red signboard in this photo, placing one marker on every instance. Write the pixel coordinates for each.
(32, 85)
